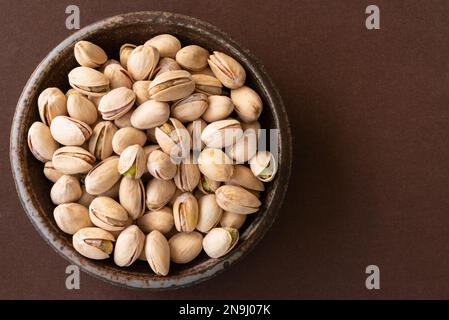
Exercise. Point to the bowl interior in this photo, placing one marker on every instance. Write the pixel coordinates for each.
(110, 34)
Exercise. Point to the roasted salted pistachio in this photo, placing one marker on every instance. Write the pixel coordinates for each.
(140, 88)
(192, 57)
(171, 86)
(108, 214)
(157, 252)
(236, 199)
(125, 51)
(166, 44)
(132, 162)
(41, 143)
(69, 131)
(72, 160)
(264, 166)
(244, 177)
(100, 143)
(247, 103)
(150, 114)
(116, 103)
(94, 243)
(161, 220)
(185, 246)
(228, 70)
(215, 164)
(232, 220)
(132, 197)
(126, 137)
(51, 173)
(52, 103)
(222, 133)
(219, 108)
(118, 76)
(187, 176)
(207, 84)
(128, 246)
(209, 213)
(72, 217)
(159, 192)
(66, 189)
(81, 108)
(89, 81)
(219, 241)
(103, 176)
(185, 212)
(89, 55)
(161, 166)
(142, 61)
(166, 64)
(173, 138)
(189, 108)
(208, 186)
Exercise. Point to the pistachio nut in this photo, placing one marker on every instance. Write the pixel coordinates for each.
(89, 55)
(40, 141)
(220, 107)
(86, 198)
(66, 189)
(160, 165)
(125, 51)
(173, 138)
(89, 81)
(157, 252)
(185, 212)
(128, 246)
(189, 108)
(219, 241)
(103, 176)
(215, 164)
(195, 129)
(222, 133)
(184, 247)
(51, 173)
(247, 103)
(161, 220)
(73, 160)
(228, 70)
(69, 131)
(244, 177)
(100, 143)
(132, 162)
(125, 120)
(209, 213)
(108, 214)
(81, 108)
(116, 103)
(93, 243)
(126, 137)
(159, 192)
(208, 85)
(192, 57)
(140, 88)
(251, 127)
(150, 114)
(187, 176)
(232, 220)
(142, 61)
(166, 44)
(132, 197)
(166, 64)
(71, 217)
(245, 148)
(208, 186)
(264, 166)
(237, 199)
(51, 103)
(171, 86)
(118, 76)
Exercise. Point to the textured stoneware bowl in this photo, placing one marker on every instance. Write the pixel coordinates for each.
(110, 34)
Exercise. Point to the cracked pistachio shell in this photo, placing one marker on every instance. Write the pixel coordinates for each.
(140, 88)
(159, 192)
(51, 103)
(157, 252)
(222, 133)
(71, 217)
(209, 213)
(81, 108)
(189, 108)
(173, 138)
(245, 148)
(232, 220)
(73, 160)
(208, 186)
(160, 165)
(237, 199)
(219, 241)
(86, 198)
(118, 76)
(128, 246)
(185, 212)
(187, 176)
(150, 114)
(171, 86)
(166, 44)
(184, 247)
(132, 162)
(264, 166)
(220, 107)
(89, 81)
(108, 214)
(195, 129)
(126, 137)
(244, 177)
(116, 103)
(132, 197)
(161, 220)
(103, 176)
(89, 55)
(125, 51)
(166, 64)
(247, 103)
(93, 243)
(215, 164)
(125, 120)
(142, 61)
(208, 85)
(192, 57)
(51, 173)
(100, 144)
(66, 189)
(40, 141)
(69, 131)
(228, 70)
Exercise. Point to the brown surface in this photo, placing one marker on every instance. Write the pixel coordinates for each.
(369, 115)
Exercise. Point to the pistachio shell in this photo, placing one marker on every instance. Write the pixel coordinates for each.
(142, 61)
(159, 192)
(228, 70)
(132, 197)
(185, 212)
(132, 162)
(189, 108)
(264, 166)
(174, 197)
(236, 199)
(86, 198)
(103, 176)
(93, 243)
(125, 120)
(244, 177)
(245, 148)
(222, 133)
(160, 165)
(89, 55)
(208, 186)
(209, 213)
(71, 217)
(126, 137)
(116, 103)
(108, 214)
(247, 103)
(150, 114)
(195, 129)
(51, 103)
(161, 220)
(125, 51)
(166, 64)
(232, 220)
(184, 247)
(140, 88)
(88, 81)
(128, 247)
(220, 107)
(207, 71)
(72, 160)
(157, 252)
(51, 173)
(192, 57)
(208, 85)
(41, 143)
(100, 144)
(66, 189)
(187, 176)
(81, 108)
(166, 44)
(174, 139)
(171, 86)
(69, 131)
(219, 241)
(215, 164)
(118, 76)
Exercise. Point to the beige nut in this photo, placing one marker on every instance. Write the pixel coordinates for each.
(116, 103)
(187, 176)
(108, 214)
(125, 51)
(142, 61)
(93, 243)
(189, 108)
(219, 241)
(264, 166)
(89, 81)
(72, 217)
(247, 103)
(161, 220)
(232, 220)
(72, 160)
(66, 189)
(69, 131)
(209, 213)
(40, 142)
(51, 173)
(192, 57)
(103, 176)
(215, 164)
(184, 247)
(207, 85)
(100, 143)
(118, 76)
(51, 103)
(220, 107)
(166, 44)
(89, 55)
(185, 212)
(128, 246)
(244, 177)
(150, 114)
(81, 108)
(126, 137)
(161, 166)
(140, 88)
(222, 133)
(228, 70)
(166, 64)
(132, 162)
(159, 192)
(171, 86)
(125, 120)
(157, 252)
(132, 197)
(237, 200)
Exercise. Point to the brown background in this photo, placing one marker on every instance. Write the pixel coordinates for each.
(370, 117)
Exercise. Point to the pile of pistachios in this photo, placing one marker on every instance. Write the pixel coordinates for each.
(153, 157)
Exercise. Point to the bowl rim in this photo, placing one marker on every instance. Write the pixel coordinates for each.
(109, 274)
